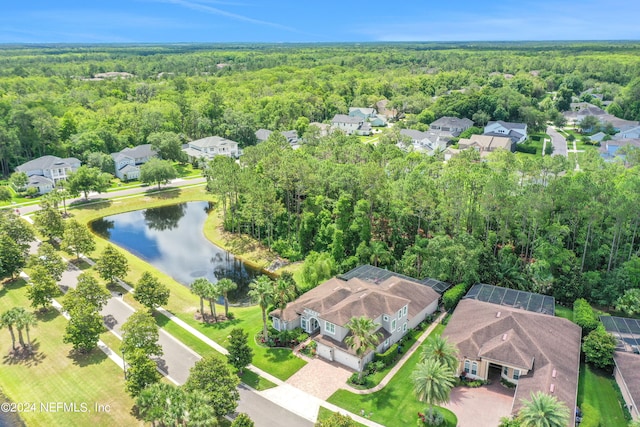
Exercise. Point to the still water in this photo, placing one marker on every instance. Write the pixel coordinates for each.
(171, 239)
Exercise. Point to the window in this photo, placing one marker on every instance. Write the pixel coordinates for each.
(404, 327)
(466, 366)
(386, 343)
(276, 323)
(404, 310)
(474, 368)
(393, 325)
(330, 327)
(505, 371)
(385, 318)
(303, 323)
(516, 374)
(399, 313)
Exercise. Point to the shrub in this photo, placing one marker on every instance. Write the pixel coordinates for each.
(584, 316)
(354, 379)
(388, 356)
(451, 297)
(590, 416)
(432, 417)
(507, 383)
(523, 148)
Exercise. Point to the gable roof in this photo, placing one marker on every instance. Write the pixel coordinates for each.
(488, 142)
(547, 346)
(144, 150)
(263, 134)
(47, 162)
(452, 122)
(509, 125)
(212, 141)
(415, 135)
(365, 111)
(343, 118)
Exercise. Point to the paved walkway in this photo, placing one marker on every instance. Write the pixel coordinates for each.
(402, 360)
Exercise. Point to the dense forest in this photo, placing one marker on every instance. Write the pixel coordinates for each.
(515, 220)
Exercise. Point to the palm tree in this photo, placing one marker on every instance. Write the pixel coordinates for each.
(261, 292)
(432, 382)
(363, 337)
(199, 288)
(225, 286)
(543, 410)
(379, 253)
(438, 348)
(284, 293)
(7, 319)
(212, 292)
(23, 320)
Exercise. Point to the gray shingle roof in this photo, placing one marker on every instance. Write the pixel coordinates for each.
(452, 122)
(509, 125)
(140, 151)
(47, 162)
(212, 141)
(343, 118)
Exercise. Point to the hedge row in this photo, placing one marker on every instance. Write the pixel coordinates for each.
(452, 297)
(388, 356)
(584, 316)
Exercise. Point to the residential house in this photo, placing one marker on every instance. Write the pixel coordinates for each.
(128, 161)
(428, 142)
(451, 125)
(580, 110)
(516, 131)
(351, 125)
(46, 171)
(535, 350)
(628, 132)
(597, 137)
(369, 115)
(323, 127)
(626, 359)
(396, 303)
(290, 135)
(487, 143)
(363, 113)
(211, 146)
(609, 149)
(383, 110)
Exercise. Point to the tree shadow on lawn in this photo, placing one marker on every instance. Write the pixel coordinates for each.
(46, 315)
(91, 204)
(93, 357)
(25, 357)
(163, 193)
(9, 284)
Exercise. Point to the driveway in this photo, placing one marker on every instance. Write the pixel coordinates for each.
(558, 141)
(320, 378)
(483, 406)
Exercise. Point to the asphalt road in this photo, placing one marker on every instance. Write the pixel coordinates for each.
(558, 141)
(265, 413)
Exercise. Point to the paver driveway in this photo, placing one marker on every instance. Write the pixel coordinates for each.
(481, 407)
(320, 378)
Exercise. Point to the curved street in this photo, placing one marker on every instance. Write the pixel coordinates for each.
(558, 141)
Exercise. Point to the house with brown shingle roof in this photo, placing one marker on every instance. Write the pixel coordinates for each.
(395, 304)
(536, 351)
(487, 143)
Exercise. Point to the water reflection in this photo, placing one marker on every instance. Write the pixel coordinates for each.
(171, 239)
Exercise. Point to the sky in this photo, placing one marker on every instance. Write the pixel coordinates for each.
(276, 21)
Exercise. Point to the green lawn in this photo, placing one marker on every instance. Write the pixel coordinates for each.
(55, 375)
(564, 312)
(255, 381)
(396, 404)
(599, 390)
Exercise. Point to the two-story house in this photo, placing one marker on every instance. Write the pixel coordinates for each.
(211, 146)
(428, 142)
(46, 171)
(351, 124)
(452, 125)
(128, 161)
(516, 131)
(395, 303)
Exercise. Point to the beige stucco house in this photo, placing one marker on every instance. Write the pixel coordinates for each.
(396, 304)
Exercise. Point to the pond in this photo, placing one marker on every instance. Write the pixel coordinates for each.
(171, 239)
